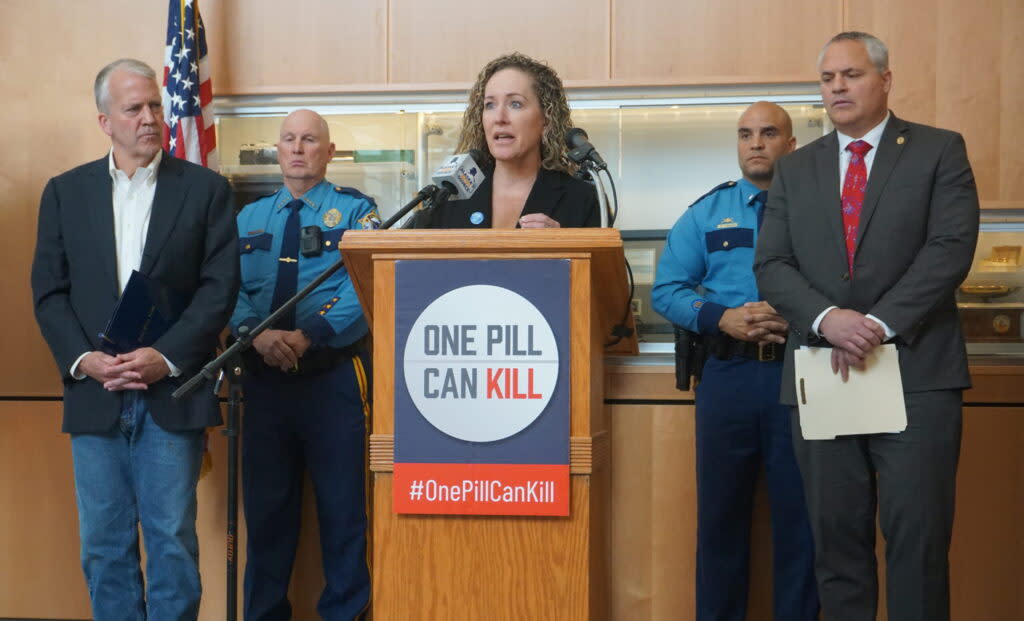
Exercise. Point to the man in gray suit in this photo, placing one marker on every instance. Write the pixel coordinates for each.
(868, 232)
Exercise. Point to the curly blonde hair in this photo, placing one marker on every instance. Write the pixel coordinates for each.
(548, 88)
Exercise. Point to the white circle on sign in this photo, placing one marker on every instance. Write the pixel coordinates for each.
(481, 363)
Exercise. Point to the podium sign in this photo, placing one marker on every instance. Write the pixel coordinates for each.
(489, 287)
(481, 377)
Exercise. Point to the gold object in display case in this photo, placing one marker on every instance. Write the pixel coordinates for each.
(985, 291)
(1003, 257)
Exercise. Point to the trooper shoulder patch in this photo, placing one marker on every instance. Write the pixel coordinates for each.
(370, 220)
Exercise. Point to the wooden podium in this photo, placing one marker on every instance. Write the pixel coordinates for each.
(452, 567)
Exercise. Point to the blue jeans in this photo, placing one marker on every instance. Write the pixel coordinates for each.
(138, 473)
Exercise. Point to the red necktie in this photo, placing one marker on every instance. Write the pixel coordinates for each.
(853, 195)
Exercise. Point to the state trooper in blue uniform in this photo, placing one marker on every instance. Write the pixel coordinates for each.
(705, 284)
(307, 394)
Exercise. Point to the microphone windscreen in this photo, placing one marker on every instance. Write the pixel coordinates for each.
(486, 165)
(460, 175)
(576, 137)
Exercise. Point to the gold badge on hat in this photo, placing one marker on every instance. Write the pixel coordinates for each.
(332, 218)
(901, 140)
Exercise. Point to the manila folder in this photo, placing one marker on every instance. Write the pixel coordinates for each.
(871, 401)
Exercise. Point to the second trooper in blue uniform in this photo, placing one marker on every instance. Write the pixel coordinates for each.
(307, 395)
(705, 284)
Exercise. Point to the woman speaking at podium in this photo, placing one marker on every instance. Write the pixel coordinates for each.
(517, 117)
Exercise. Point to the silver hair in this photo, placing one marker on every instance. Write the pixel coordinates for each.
(101, 87)
(877, 50)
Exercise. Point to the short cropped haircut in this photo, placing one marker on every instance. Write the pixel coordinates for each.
(877, 50)
(101, 87)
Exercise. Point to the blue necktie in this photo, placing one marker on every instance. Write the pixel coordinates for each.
(288, 267)
(759, 201)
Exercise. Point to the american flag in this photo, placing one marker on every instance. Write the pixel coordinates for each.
(187, 96)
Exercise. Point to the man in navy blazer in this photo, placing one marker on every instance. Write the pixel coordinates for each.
(867, 234)
(136, 450)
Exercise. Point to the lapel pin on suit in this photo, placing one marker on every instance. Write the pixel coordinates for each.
(901, 140)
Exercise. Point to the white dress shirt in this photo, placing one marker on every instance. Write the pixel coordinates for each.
(873, 137)
(133, 205)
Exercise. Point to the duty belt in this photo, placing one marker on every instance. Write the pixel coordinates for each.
(723, 347)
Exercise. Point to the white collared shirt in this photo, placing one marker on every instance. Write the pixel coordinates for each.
(873, 137)
(133, 205)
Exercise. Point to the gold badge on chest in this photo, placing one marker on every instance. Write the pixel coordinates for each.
(332, 218)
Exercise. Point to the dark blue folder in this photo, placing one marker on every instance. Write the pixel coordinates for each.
(144, 312)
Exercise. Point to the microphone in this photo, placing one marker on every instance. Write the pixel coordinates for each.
(459, 176)
(580, 148)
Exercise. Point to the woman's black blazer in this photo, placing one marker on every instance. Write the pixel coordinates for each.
(569, 201)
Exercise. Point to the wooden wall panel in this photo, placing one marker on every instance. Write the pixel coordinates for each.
(967, 92)
(908, 29)
(647, 382)
(1011, 76)
(654, 518)
(448, 41)
(40, 575)
(731, 41)
(958, 67)
(301, 46)
(985, 570)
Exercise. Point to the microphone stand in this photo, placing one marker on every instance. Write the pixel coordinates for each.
(228, 365)
(588, 167)
(429, 191)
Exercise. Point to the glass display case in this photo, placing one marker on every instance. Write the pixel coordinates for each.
(665, 148)
(991, 300)
(375, 152)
